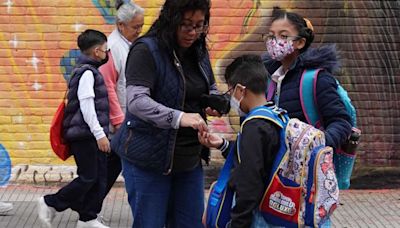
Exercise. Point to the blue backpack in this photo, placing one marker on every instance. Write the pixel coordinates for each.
(344, 158)
(220, 198)
(218, 212)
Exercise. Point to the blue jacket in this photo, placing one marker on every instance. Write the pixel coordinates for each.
(141, 143)
(336, 121)
(75, 128)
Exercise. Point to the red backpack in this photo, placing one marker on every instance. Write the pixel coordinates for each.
(56, 133)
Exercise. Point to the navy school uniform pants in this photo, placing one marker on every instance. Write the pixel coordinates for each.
(85, 193)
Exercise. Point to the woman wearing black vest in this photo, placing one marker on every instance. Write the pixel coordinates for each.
(167, 72)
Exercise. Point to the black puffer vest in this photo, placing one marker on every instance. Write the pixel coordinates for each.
(75, 127)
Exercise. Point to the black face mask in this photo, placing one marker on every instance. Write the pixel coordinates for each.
(105, 60)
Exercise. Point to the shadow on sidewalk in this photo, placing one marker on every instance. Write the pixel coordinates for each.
(376, 178)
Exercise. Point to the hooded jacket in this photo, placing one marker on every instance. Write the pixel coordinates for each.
(335, 119)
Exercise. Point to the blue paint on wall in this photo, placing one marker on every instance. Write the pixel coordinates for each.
(5, 166)
(68, 61)
(107, 10)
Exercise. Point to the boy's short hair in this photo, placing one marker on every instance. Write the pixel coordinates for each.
(90, 38)
(249, 71)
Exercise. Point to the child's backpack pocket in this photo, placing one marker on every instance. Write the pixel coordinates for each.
(280, 204)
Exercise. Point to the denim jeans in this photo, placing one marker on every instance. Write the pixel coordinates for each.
(157, 201)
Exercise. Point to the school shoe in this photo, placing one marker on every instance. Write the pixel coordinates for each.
(5, 207)
(46, 214)
(91, 224)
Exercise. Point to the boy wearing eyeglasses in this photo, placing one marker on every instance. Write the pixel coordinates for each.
(85, 128)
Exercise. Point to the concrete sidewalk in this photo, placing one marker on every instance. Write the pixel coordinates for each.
(359, 208)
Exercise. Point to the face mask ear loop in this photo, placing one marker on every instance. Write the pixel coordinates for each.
(244, 87)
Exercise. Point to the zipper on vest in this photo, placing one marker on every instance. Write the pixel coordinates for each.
(129, 137)
(179, 67)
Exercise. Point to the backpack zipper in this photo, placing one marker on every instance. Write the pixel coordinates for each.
(295, 145)
(301, 136)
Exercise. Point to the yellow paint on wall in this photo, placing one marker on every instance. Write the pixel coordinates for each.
(34, 35)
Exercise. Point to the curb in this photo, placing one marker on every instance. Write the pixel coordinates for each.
(45, 174)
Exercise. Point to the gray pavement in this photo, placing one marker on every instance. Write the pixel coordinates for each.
(359, 208)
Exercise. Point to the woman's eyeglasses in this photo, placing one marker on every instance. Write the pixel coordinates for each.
(197, 28)
(229, 91)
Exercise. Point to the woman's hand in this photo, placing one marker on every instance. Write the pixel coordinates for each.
(104, 145)
(210, 140)
(193, 120)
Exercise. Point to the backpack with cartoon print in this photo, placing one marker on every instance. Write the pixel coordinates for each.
(344, 156)
(303, 189)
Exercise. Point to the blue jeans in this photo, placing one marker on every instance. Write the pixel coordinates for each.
(158, 201)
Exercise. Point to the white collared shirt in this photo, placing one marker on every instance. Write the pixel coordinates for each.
(278, 77)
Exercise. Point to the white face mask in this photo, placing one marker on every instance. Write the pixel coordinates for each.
(235, 104)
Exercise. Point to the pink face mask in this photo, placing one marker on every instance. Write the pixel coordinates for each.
(278, 49)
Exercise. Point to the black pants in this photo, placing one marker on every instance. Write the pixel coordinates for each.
(113, 170)
(85, 193)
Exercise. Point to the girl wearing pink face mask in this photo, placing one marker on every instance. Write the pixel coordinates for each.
(289, 53)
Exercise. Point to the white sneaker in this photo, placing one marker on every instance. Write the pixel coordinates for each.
(91, 224)
(102, 219)
(5, 207)
(46, 214)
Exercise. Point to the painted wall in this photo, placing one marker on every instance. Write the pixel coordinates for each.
(38, 47)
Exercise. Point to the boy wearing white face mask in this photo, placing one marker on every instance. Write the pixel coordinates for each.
(246, 78)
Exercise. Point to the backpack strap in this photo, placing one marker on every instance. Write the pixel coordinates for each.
(271, 87)
(273, 114)
(279, 117)
(224, 175)
(308, 98)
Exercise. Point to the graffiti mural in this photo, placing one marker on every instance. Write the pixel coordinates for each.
(38, 51)
(5, 166)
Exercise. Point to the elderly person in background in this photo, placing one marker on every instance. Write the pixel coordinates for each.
(129, 22)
